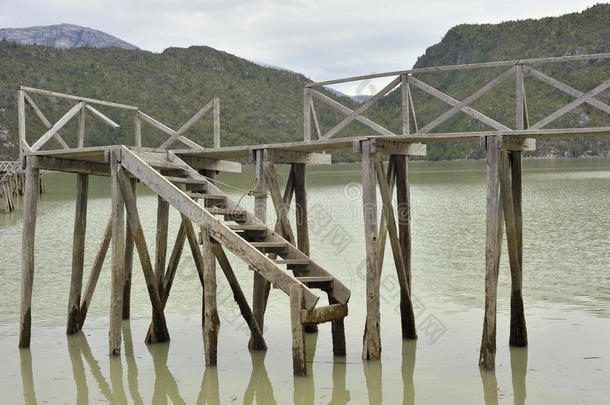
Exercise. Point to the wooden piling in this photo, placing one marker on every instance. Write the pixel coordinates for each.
(129, 245)
(338, 333)
(372, 340)
(32, 178)
(260, 285)
(161, 242)
(118, 258)
(78, 253)
(299, 361)
(493, 245)
(212, 321)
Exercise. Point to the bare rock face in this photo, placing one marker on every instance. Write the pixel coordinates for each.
(63, 36)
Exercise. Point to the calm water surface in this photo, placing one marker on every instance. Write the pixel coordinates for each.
(566, 292)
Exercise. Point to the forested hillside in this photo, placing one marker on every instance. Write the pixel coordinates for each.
(262, 104)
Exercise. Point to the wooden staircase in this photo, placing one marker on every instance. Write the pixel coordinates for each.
(263, 249)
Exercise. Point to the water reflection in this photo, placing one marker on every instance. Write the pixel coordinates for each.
(259, 384)
(409, 347)
(27, 376)
(518, 366)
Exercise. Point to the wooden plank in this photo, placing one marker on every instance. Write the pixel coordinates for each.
(32, 178)
(102, 117)
(493, 246)
(78, 253)
(400, 148)
(195, 118)
(572, 105)
(95, 273)
(480, 65)
(280, 209)
(306, 115)
(372, 341)
(174, 260)
(403, 209)
(217, 123)
(413, 117)
(77, 98)
(219, 231)
(37, 110)
(314, 115)
(129, 245)
(81, 128)
(118, 258)
(566, 89)
(197, 257)
(299, 356)
(289, 157)
(23, 145)
(363, 107)
(406, 308)
(202, 163)
(238, 294)
(69, 165)
(137, 126)
(324, 314)
(467, 101)
(519, 97)
(160, 333)
(348, 111)
(212, 321)
(406, 126)
(517, 143)
(161, 242)
(57, 126)
(451, 101)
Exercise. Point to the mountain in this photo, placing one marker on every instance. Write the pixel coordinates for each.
(63, 36)
(264, 105)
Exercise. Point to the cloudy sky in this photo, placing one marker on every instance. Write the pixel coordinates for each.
(321, 39)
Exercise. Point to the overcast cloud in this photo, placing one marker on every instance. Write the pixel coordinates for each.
(321, 39)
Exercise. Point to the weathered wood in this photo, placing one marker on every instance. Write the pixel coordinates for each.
(217, 123)
(161, 242)
(78, 253)
(337, 332)
(212, 321)
(363, 107)
(518, 329)
(383, 226)
(81, 127)
(195, 118)
(57, 126)
(198, 258)
(137, 126)
(280, 209)
(32, 177)
(43, 119)
(174, 136)
(23, 145)
(517, 143)
(129, 245)
(372, 341)
(400, 148)
(160, 333)
(403, 200)
(299, 361)
(406, 307)
(95, 273)
(406, 125)
(102, 117)
(69, 165)
(286, 156)
(555, 59)
(77, 98)
(324, 314)
(306, 115)
(314, 115)
(493, 246)
(118, 258)
(467, 101)
(412, 115)
(238, 294)
(451, 101)
(300, 199)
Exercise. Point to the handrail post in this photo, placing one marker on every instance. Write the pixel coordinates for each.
(217, 122)
(81, 127)
(138, 129)
(406, 125)
(307, 115)
(21, 113)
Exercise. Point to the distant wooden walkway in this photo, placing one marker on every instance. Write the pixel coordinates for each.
(185, 179)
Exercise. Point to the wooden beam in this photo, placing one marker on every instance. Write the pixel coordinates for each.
(324, 314)
(406, 307)
(238, 294)
(383, 226)
(216, 123)
(195, 118)
(289, 157)
(32, 178)
(372, 341)
(493, 246)
(300, 198)
(160, 333)
(517, 143)
(57, 126)
(280, 209)
(69, 165)
(306, 115)
(299, 360)
(78, 253)
(403, 209)
(338, 332)
(202, 163)
(400, 148)
(161, 242)
(314, 115)
(77, 98)
(137, 125)
(102, 117)
(212, 321)
(129, 245)
(118, 258)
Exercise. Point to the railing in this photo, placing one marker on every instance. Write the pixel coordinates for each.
(84, 105)
(406, 78)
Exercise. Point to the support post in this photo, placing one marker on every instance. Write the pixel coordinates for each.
(337, 332)
(118, 258)
(299, 361)
(129, 245)
(493, 245)
(32, 177)
(212, 322)
(161, 242)
(306, 115)
(261, 286)
(138, 129)
(372, 340)
(78, 253)
(404, 210)
(217, 123)
(81, 127)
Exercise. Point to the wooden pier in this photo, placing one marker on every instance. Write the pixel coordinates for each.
(213, 225)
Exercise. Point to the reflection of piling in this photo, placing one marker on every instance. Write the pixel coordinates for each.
(12, 184)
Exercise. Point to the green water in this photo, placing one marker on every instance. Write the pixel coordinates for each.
(566, 293)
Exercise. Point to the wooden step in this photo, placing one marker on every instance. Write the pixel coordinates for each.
(229, 214)
(271, 247)
(184, 180)
(293, 262)
(208, 197)
(250, 228)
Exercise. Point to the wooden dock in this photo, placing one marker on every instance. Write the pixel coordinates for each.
(184, 178)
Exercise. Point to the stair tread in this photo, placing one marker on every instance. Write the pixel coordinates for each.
(243, 227)
(269, 244)
(226, 211)
(292, 261)
(184, 180)
(315, 279)
(206, 196)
